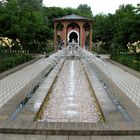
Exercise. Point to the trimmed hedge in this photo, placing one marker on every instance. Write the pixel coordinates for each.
(128, 60)
(99, 51)
(11, 60)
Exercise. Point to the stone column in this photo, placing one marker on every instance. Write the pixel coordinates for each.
(81, 31)
(90, 37)
(65, 34)
(55, 37)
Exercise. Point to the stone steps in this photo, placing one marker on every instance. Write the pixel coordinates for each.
(69, 128)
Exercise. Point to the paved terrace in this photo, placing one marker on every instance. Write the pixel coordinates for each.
(51, 137)
(118, 127)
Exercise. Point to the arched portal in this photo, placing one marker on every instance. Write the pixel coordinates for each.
(73, 35)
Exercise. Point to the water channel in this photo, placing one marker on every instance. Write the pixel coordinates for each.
(71, 97)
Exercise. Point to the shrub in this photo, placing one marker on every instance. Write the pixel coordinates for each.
(11, 60)
(129, 60)
(99, 51)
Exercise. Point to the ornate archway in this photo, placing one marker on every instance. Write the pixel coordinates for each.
(73, 35)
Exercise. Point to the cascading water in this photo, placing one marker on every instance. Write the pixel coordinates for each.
(71, 97)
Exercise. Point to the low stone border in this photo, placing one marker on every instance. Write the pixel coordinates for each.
(69, 128)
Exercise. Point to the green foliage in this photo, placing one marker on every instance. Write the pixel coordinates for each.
(126, 25)
(85, 10)
(2, 49)
(10, 60)
(48, 50)
(32, 24)
(129, 60)
(103, 27)
(23, 20)
(99, 51)
(118, 29)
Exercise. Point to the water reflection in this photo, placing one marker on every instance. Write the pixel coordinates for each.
(71, 97)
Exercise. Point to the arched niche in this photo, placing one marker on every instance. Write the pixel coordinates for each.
(73, 25)
(59, 26)
(86, 26)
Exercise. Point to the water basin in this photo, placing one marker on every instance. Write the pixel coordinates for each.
(71, 97)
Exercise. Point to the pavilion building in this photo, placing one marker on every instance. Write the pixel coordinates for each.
(73, 28)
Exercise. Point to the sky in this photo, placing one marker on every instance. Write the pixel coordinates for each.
(97, 6)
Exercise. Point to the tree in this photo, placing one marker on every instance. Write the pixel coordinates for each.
(118, 29)
(85, 10)
(23, 20)
(125, 25)
(103, 29)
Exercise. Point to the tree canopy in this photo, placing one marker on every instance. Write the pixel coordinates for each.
(118, 29)
(31, 23)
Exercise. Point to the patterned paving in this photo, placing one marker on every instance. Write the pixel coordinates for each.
(128, 83)
(12, 84)
(42, 137)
